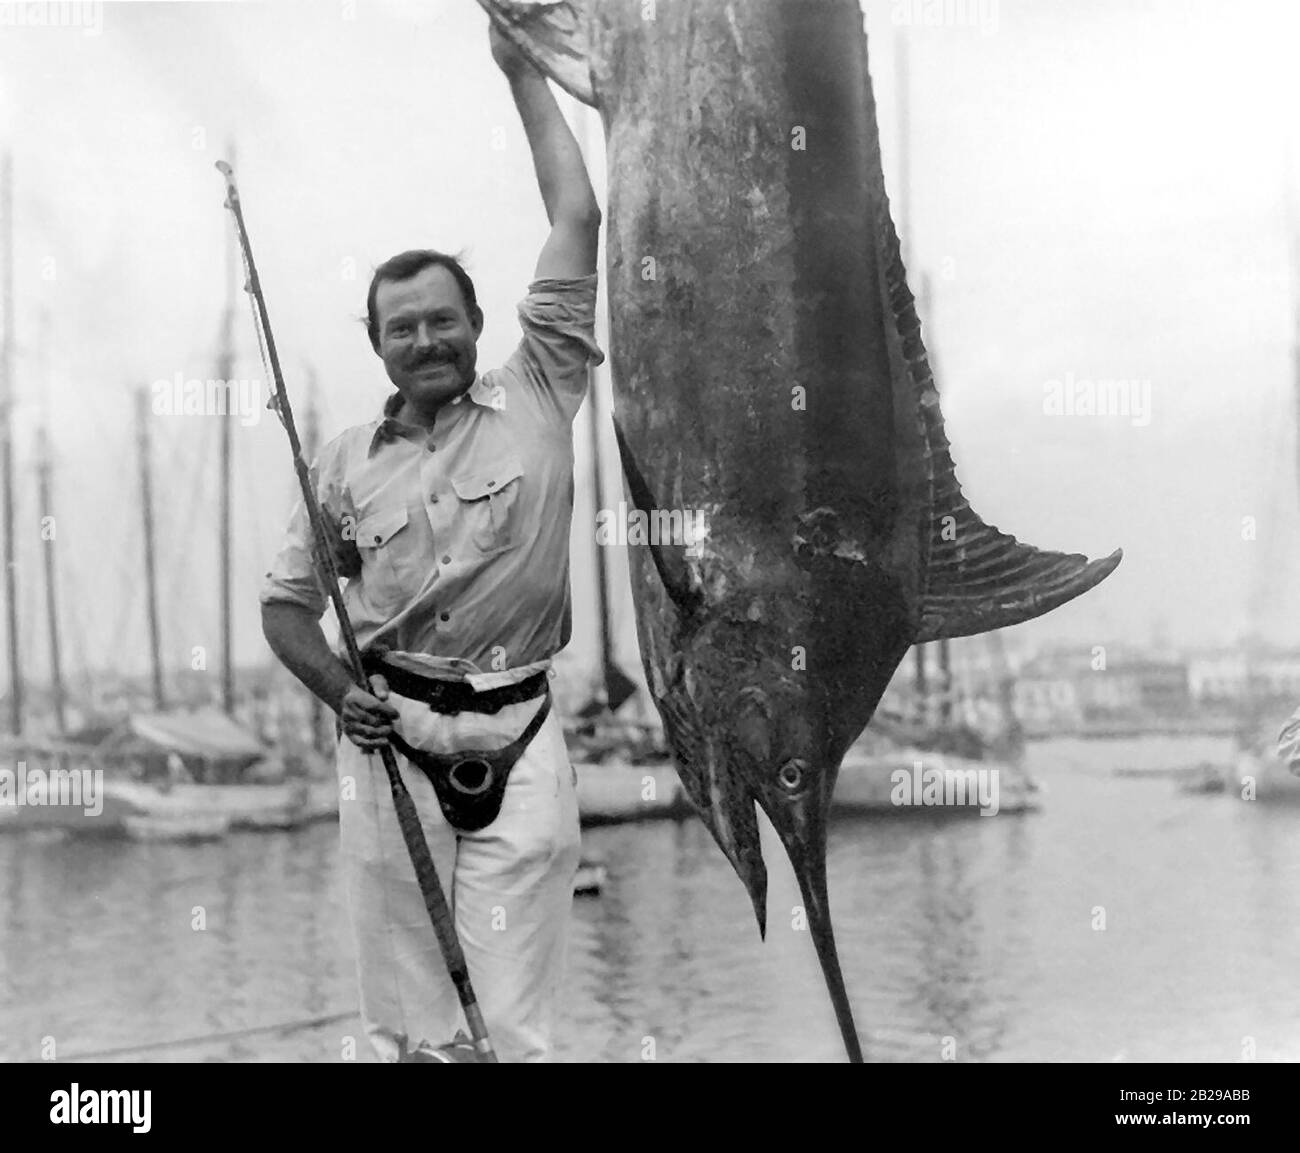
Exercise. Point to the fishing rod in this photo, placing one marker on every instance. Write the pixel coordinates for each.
(408, 818)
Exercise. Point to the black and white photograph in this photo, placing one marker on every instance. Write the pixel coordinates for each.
(651, 531)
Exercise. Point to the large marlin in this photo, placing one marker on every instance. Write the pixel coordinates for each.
(769, 374)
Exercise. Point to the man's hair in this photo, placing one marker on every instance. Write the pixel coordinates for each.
(405, 265)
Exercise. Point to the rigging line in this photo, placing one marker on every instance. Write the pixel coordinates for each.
(128, 607)
(208, 1038)
(126, 572)
(166, 533)
(169, 537)
(31, 639)
(178, 565)
(176, 569)
(248, 552)
(133, 579)
(114, 585)
(66, 605)
(205, 497)
(70, 611)
(251, 540)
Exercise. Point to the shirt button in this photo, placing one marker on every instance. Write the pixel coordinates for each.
(433, 498)
(378, 539)
(444, 616)
(446, 560)
(491, 483)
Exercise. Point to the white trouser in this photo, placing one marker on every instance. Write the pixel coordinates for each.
(510, 886)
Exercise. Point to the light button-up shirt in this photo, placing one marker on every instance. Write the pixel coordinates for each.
(455, 540)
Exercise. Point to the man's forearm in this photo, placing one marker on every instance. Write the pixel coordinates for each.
(296, 638)
(561, 173)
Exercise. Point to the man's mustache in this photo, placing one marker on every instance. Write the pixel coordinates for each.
(428, 359)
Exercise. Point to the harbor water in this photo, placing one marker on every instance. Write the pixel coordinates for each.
(1124, 921)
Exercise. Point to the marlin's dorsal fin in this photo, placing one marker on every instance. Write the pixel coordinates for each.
(974, 578)
(669, 559)
(553, 35)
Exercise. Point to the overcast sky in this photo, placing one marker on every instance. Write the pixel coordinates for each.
(1099, 191)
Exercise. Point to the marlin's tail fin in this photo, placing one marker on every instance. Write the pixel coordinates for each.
(553, 35)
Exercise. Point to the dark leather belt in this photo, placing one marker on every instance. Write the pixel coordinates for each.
(471, 785)
(452, 697)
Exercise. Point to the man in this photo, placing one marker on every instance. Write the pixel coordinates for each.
(451, 520)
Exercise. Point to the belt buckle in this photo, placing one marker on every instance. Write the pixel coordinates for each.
(444, 700)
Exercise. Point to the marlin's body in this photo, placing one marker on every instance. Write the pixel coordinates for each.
(769, 374)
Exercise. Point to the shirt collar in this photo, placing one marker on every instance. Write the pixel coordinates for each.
(388, 427)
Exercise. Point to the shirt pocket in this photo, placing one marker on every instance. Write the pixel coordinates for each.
(380, 545)
(490, 504)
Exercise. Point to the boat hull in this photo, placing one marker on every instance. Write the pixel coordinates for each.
(145, 811)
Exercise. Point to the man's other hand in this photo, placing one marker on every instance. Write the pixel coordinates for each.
(509, 59)
(368, 720)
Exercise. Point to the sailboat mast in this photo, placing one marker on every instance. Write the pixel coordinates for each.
(44, 471)
(6, 444)
(46, 492)
(150, 576)
(225, 369)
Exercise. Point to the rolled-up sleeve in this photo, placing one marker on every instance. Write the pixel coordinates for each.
(294, 576)
(558, 318)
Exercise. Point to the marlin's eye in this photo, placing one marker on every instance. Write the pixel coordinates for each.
(791, 775)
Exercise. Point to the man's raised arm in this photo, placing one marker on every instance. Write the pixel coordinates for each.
(571, 208)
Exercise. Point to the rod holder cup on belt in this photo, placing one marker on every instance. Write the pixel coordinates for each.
(470, 786)
(471, 776)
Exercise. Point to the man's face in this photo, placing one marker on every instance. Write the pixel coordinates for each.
(426, 337)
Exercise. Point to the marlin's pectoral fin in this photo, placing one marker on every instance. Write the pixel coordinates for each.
(669, 558)
(553, 35)
(718, 793)
(979, 579)
(726, 806)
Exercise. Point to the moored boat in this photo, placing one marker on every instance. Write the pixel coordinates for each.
(182, 827)
(906, 780)
(173, 768)
(617, 793)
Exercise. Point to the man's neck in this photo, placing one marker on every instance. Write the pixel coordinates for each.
(408, 413)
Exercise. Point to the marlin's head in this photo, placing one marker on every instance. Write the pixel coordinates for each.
(749, 725)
